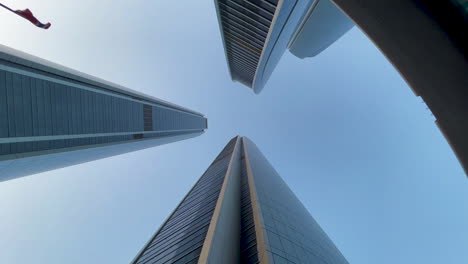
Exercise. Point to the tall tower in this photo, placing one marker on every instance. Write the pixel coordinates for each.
(52, 117)
(256, 33)
(240, 211)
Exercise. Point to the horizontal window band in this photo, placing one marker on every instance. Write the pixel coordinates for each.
(85, 87)
(11, 157)
(58, 137)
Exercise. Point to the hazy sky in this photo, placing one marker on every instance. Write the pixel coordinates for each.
(347, 134)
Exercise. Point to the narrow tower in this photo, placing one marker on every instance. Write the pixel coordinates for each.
(52, 117)
(256, 33)
(240, 211)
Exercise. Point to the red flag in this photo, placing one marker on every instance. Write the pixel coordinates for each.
(27, 14)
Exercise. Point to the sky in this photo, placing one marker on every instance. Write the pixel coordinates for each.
(343, 129)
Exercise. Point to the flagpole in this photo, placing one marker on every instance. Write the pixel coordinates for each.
(7, 8)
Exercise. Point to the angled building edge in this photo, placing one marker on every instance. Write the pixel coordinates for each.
(52, 117)
(426, 42)
(240, 211)
(256, 33)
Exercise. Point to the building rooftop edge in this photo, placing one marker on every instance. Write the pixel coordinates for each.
(28, 60)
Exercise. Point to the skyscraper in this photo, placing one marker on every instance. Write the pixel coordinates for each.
(256, 33)
(240, 211)
(52, 117)
(425, 41)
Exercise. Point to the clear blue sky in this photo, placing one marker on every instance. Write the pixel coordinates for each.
(344, 130)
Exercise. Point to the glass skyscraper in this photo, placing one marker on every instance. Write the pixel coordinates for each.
(52, 117)
(424, 40)
(240, 211)
(256, 33)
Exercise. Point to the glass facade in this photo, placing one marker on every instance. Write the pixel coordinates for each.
(33, 110)
(248, 239)
(275, 228)
(290, 233)
(256, 33)
(181, 237)
(46, 109)
(245, 26)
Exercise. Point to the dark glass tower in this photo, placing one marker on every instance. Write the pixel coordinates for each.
(426, 41)
(256, 33)
(52, 117)
(240, 211)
